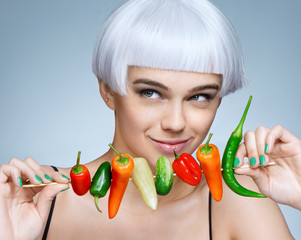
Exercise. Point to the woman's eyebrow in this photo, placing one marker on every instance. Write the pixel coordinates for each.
(204, 87)
(150, 82)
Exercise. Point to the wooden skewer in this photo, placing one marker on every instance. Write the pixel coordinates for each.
(53, 183)
(41, 185)
(247, 165)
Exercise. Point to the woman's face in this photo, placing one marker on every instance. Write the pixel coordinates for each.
(164, 110)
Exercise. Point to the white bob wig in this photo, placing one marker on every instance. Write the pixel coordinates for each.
(181, 35)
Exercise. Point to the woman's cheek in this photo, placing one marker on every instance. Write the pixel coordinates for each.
(202, 122)
(134, 121)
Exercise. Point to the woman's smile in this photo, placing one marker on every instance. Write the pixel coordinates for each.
(167, 147)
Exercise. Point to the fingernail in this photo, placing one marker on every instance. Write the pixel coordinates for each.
(64, 189)
(236, 162)
(252, 161)
(266, 148)
(262, 160)
(47, 177)
(20, 181)
(65, 176)
(38, 178)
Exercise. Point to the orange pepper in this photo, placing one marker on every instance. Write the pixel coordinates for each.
(209, 158)
(122, 167)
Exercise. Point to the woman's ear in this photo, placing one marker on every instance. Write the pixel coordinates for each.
(220, 101)
(107, 94)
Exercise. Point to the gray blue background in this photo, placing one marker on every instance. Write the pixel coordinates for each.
(49, 100)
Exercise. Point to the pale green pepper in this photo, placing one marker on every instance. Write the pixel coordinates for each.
(143, 179)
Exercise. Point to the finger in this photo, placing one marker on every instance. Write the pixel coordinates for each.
(46, 197)
(240, 155)
(59, 177)
(245, 169)
(261, 134)
(26, 171)
(278, 133)
(40, 175)
(56, 176)
(251, 147)
(10, 172)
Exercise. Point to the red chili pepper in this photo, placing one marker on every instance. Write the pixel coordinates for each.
(187, 168)
(209, 158)
(80, 178)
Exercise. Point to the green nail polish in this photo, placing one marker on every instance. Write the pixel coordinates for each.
(20, 181)
(252, 161)
(266, 148)
(64, 189)
(38, 178)
(47, 177)
(262, 160)
(65, 176)
(236, 162)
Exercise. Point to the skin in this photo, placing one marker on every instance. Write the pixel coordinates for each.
(170, 107)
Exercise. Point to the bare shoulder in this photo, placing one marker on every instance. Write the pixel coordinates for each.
(247, 217)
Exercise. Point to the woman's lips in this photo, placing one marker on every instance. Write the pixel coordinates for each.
(168, 147)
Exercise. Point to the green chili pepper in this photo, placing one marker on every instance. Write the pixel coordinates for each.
(228, 159)
(101, 182)
(164, 176)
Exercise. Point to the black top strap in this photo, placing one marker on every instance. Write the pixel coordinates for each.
(50, 213)
(210, 216)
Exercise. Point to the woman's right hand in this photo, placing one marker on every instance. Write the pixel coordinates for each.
(24, 211)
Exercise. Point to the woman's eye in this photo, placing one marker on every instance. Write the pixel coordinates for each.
(200, 97)
(150, 93)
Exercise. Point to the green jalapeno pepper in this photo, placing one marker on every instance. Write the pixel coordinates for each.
(101, 182)
(228, 159)
(164, 176)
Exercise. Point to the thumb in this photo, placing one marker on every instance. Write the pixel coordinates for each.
(245, 169)
(46, 196)
(258, 175)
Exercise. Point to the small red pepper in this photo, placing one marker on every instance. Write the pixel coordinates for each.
(187, 168)
(80, 178)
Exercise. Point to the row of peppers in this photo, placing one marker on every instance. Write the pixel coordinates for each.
(124, 167)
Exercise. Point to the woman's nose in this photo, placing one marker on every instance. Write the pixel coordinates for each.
(173, 118)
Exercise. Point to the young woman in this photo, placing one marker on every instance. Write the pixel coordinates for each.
(163, 67)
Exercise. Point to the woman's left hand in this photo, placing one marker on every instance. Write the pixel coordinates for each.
(282, 181)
